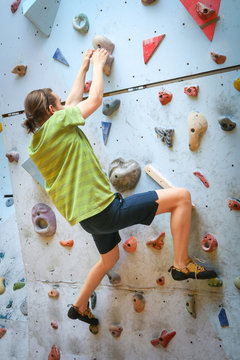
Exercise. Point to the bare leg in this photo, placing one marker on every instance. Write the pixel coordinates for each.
(178, 202)
(106, 262)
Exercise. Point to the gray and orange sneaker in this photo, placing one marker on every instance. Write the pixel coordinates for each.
(192, 271)
(87, 316)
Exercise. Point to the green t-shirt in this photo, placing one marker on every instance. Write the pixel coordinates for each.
(73, 175)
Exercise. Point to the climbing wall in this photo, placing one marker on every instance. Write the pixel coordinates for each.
(181, 60)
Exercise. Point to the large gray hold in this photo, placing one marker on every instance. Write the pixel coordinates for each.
(110, 106)
(101, 42)
(124, 175)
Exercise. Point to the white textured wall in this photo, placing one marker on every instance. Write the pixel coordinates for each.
(132, 136)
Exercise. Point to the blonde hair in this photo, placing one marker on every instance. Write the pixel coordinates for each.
(36, 105)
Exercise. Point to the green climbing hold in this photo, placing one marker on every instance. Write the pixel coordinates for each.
(215, 282)
(190, 306)
(237, 282)
(2, 285)
(18, 285)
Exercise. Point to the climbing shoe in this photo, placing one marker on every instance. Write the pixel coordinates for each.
(87, 316)
(192, 271)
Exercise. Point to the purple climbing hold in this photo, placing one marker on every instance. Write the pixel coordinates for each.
(44, 220)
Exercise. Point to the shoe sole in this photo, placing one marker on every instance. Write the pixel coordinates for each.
(73, 314)
(178, 276)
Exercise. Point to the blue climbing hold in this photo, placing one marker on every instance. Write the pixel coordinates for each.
(105, 130)
(9, 202)
(9, 304)
(59, 57)
(223, 318)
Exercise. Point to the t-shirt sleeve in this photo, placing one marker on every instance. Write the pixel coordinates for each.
(72, 116)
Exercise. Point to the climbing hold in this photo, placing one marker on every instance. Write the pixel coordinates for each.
(68, 243)
(93, 300)
(191, 90)
(53, 293)
(44, 220)
(54, 324)
(236, 84)
(203, 11)
(124, 175)
(164, 338)
(219, 59)
(113, 277)
(24, 307)
(190, 306)
(20, 70)
(59, 57)
(87, 86)
(2, 332)
(1, 127)
(226, 124)
(81, 23)
(138, 302)
(101, 42)
(223, 318)
(158, 242)
(148, 2)
(215, 282)
(106, 126)
(164, 97)
(9, 305)
(166, 135)
(234, 204)
(201, 177)
(130, 245)
(54, 353)
(237, 282)
(150, 45)
(110, 106)
(2, 285)
(18, 285)
(197, 125)
(94, 329)
(15, 5)
(161, 280)
(12, 156)
(9, 202)
(115, 330)
(209, 243)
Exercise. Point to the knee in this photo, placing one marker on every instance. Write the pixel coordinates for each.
(184, 196)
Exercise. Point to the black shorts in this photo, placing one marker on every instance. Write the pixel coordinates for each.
(121, 213)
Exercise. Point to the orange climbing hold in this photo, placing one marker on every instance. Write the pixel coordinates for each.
(130, 245)
(53, 293)
(161, 280)
(164, 97)
(150, 45)
(68, 243)
(158, 242)
(2, 332)
(164, 338)
(138, 302)
(54, 353)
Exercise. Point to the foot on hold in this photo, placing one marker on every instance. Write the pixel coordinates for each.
(193, 271)
(87, 316)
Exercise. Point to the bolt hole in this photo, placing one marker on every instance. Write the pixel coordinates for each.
(192, 130)
(183, 24)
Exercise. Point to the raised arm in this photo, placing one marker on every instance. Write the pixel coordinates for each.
(76, 93)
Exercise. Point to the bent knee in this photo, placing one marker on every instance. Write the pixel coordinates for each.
(184, 195)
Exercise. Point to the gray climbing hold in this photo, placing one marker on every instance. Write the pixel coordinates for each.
(81, 23)
(110, 106)
(190, 306)
(124, 175)
(93, 300)
(44, 220)
(101, 42)
(24, 307)
(12, 156)
(166, 135)
(113, 277)
(226, 124)
(9, 202)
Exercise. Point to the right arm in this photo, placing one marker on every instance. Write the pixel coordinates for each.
(94, 100)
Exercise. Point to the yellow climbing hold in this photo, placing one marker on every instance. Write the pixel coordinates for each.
(1, 127)
(236, 84)
(2, 285)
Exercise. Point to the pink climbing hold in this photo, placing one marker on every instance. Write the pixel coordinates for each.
(219, 59)
(191, 90)
(2, 332)
(12, 156)
(161, 280)
(130, 245)
(115, 330)
(53, 293)
(202, 178)
(164, 338)
(164, 97)
(158, 242)
(54, 353)
(15, 5)
(234, 204)
(54, 324)
(87, 86)
(209, 243)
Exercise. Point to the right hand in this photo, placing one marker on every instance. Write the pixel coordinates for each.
(99, 57)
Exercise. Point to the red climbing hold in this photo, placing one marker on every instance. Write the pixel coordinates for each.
(54, 353)
(87, 86)
(161, 280)
(2, 332)
(219, 59)
(68, 243)
(158, 242)
(164, 97)
(209, 243)
(130, 245)
(15, 5)
(202, 178)
(191, 90)
(164, 338)
(234, 204)
(150, 45)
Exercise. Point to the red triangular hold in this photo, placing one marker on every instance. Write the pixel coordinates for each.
(150, 45)
(190, 5)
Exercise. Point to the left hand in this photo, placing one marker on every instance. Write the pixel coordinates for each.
(86, 59)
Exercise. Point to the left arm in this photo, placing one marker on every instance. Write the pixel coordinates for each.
(76, 93)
